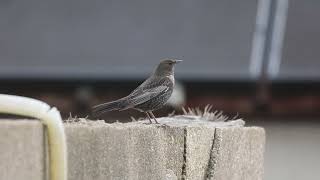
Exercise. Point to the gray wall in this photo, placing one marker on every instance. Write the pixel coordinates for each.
(125, 39)
(107, 39)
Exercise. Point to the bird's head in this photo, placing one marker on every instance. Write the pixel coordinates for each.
(166, 67)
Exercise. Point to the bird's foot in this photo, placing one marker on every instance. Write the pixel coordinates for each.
(148, 123)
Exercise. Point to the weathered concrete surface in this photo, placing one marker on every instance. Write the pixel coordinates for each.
(184, 149)
(22, 152)
(237, 153)
(198, 147)
(124, 151)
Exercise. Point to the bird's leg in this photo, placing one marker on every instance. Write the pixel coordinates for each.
(151, 113)
(148, 117)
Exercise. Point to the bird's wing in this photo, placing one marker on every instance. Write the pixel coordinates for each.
(148, 91)
(148, 94)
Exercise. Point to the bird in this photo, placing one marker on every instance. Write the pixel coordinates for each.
(151, 95)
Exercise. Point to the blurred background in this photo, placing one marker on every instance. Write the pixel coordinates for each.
(259, 59)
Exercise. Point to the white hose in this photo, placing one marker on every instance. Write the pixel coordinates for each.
(24, 106)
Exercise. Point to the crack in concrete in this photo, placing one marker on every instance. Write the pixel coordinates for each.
(212, 161)
(184, 165)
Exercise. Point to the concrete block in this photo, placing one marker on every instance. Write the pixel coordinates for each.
(237, 153)
(184, 148)
(22, 152)
(124, 151)
(198, 147)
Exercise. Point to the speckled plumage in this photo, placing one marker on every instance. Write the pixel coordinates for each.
(152, 94)
(160, 99)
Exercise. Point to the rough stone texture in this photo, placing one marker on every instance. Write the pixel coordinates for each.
(185, 148)
(198, 147)
(237, 153)
(124, 151)
(22, 150)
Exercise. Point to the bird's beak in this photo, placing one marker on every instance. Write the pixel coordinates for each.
(177, 61)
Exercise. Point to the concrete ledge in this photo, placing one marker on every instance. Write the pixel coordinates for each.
(22, 152)
(185, 148)
(124, 151)
(237, 153)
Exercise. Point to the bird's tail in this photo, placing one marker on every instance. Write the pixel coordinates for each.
(106, 107)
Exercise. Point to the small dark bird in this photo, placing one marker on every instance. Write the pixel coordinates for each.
(152, 94)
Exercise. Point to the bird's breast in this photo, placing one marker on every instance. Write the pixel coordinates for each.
(171, 77)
